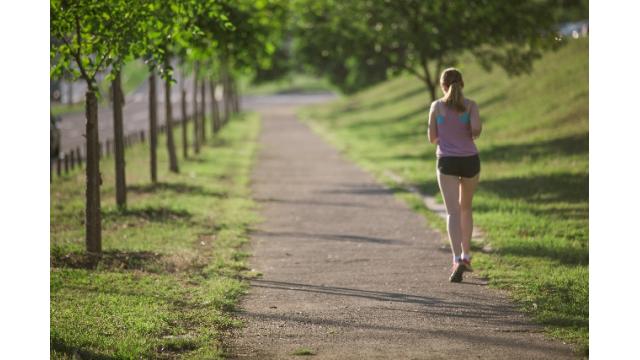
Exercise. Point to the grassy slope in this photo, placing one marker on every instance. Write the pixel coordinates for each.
(169, 277)
(533, 195)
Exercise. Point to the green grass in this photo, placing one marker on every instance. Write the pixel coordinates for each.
(61, 109)
(173, 261)
(295, 83)
(533, 195)
(303, 352)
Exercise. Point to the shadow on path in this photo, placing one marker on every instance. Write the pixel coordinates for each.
(483, 336)
(337, 237)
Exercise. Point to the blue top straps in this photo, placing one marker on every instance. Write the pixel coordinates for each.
(463, 118)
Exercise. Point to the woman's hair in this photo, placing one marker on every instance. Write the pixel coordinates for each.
(451, 79)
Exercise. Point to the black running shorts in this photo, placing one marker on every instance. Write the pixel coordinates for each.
(464, 166)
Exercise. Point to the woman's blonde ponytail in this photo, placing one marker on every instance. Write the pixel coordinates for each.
(451, 79)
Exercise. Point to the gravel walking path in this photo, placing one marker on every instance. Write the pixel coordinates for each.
(350, 272)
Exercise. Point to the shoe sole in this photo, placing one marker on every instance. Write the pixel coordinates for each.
(457, 274)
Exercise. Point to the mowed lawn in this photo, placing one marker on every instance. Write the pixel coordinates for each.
(173, 261)
(533, 199)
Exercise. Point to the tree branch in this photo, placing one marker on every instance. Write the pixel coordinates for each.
(76, 54)
(413, 71)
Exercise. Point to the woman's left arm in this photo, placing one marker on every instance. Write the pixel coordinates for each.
(476, 125)
(432, 131)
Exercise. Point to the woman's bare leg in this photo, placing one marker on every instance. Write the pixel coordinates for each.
(467, 188)
(450, 188)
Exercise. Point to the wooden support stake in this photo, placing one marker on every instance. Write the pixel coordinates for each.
(79, 156)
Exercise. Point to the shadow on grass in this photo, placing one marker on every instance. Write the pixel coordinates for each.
(178, 188)
(492, 100)
(149, 213)
(541, 189)
(350, 108)
(569, 145)
(74, 352)
(384, 122)
(567, 255)
(114, 259)
(197, 159)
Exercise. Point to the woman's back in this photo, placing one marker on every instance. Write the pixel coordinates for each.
(454, 129)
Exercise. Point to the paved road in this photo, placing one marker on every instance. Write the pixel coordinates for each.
(136, 112)
(351, 272)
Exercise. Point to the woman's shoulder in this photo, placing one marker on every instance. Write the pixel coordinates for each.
(435, 103)
(470, 103)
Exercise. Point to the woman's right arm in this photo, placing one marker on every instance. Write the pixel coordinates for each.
(433, 129)
(476, 125)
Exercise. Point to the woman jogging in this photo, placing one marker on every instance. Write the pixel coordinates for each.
(454, 123)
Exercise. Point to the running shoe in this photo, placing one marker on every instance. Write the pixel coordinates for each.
(456, 272)
(467, 265)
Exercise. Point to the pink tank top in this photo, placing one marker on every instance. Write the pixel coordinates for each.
(454, 131)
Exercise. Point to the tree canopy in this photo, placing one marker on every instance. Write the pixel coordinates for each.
(361, 42)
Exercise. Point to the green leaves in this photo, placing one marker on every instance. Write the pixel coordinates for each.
(92, 35)
(98, 36)
(356, 42)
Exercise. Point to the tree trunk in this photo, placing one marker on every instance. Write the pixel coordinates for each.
(118, 135)
(236, 96)
(173, 159)
(93, 235)
(185, 144)
(203, 111)
(432, 90)
(215, 112)
(70, 92)
(153, 127)
(196, 132)
(225, 96)
(431, 85)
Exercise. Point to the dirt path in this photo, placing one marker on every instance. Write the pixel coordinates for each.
(350, 272)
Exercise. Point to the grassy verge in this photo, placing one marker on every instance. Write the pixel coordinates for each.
(533, 195)
(170, 273)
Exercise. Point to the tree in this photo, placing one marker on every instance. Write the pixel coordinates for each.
(118, 141)
(94, 36)
(422, 37)
(171, 148)
(332, 39)
(183, 107)
(196, 111)
(257, 26)
(166, 20)
(128, 37)
(215, 123)
(153, 128)
(203, 111)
